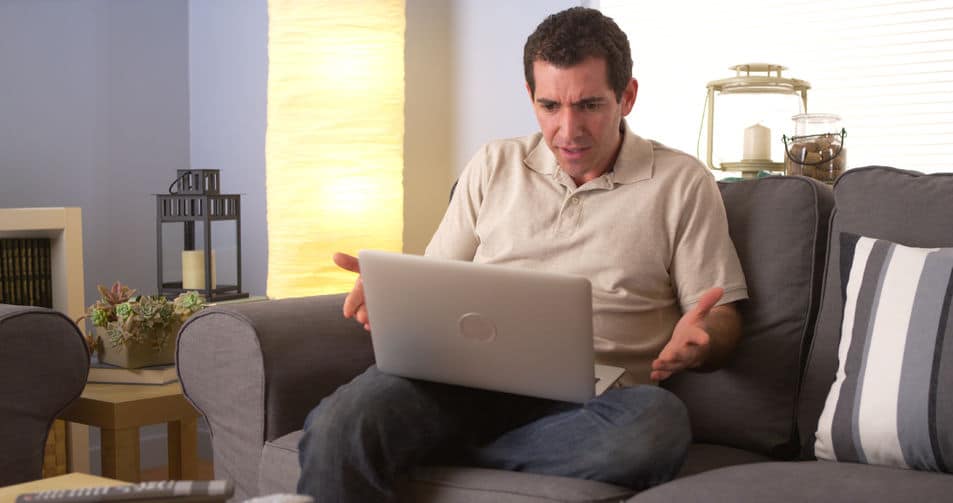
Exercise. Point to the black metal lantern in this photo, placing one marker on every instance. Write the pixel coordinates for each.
(194, 197)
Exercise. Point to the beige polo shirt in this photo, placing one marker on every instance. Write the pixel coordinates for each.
(651, 235)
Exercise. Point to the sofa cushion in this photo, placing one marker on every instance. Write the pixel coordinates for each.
(779, 228)
(480, 485)
(704, 457)
(814, 481)
(280, 471)
(891, 402)
(880, 202)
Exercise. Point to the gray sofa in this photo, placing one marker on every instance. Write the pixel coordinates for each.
(255, 370)
(43, 367)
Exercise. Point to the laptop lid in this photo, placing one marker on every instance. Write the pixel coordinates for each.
(484, 326)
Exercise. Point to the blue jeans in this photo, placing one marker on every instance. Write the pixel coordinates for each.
(362, 438)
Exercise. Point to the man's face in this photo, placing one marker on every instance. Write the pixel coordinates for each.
(579, 116)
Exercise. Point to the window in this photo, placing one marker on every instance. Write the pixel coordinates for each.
(886, 67)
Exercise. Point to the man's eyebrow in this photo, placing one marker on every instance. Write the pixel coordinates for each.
(584, 101)
(593, 99)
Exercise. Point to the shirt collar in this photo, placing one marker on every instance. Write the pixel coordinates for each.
(634, 162)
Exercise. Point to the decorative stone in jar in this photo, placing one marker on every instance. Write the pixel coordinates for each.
(817, 148)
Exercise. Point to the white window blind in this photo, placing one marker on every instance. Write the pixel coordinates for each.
(886, 67)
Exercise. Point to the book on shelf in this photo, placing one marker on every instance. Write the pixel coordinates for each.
(111, 374)
(25, 275)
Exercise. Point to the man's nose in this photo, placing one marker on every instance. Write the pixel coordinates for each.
(569, 123)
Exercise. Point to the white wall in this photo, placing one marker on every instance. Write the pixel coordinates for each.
(490, 97)
(228, 79)
(464, 87)
(94, 107)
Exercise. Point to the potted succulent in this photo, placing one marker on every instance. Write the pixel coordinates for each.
(136, 331)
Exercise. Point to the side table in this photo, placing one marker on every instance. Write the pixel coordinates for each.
(120, 409)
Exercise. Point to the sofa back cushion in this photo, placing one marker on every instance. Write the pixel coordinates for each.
(904, 207)
(779, 228)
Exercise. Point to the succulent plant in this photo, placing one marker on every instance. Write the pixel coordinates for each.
(150, 319)
(118, 294)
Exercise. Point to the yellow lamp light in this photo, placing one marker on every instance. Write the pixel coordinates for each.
(334, 145)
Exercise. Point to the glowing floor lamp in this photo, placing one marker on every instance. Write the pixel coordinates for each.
(334, 145)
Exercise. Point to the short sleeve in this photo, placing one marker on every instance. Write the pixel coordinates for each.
(456, 236)
(704, 255)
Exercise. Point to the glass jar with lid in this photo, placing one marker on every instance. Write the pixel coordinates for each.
(817, 148)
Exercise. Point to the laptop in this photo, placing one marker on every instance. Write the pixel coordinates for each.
(483, 326)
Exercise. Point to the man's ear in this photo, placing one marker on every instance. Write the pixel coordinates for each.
(628, 96)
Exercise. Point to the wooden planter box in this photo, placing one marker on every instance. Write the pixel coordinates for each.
(134, 355)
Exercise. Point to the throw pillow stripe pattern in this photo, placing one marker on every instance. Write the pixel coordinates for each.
(886, 404)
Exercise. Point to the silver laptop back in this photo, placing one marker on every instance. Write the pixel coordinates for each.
(490, 327)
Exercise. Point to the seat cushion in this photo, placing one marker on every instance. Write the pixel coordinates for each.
(479, 485)
(779, 228)
(279, 473)
(878, 202)
(705, 457)
(279, 469)
(814, 481)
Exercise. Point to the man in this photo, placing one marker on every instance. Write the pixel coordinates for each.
(585, 196)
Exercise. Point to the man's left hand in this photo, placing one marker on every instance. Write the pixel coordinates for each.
(690, 344)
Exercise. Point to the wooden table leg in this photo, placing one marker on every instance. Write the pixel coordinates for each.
(77, 436)
(121, 454)
(183, 449)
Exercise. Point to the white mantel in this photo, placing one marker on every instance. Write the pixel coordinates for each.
(64, 227)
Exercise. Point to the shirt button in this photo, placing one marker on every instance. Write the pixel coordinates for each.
(575, 200)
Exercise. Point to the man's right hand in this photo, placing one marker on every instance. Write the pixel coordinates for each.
(354, 306)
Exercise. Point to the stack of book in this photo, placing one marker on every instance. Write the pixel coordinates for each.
(26, 277)
(111, 374)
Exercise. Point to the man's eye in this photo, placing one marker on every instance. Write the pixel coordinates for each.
(591, 107)
(549, 107)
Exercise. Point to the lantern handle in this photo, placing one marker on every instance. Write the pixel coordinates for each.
(787, 151)
(177, 180)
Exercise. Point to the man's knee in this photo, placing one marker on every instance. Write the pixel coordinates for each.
(651, 439)
(355, 407)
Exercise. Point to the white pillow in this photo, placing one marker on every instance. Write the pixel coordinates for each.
(892, 400)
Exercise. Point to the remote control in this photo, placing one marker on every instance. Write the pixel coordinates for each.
(171, 491)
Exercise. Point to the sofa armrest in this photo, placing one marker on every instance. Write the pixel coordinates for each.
(256, 369)
(44, 363)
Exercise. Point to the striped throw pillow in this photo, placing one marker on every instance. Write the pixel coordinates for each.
(892, 399)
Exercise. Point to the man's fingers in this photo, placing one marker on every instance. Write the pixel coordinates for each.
(659, 375)
(668, 364)
(354, 299)
(345, 261)
(361, 315)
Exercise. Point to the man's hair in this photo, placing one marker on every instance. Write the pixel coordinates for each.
(567, 38)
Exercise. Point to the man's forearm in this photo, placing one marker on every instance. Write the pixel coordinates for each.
(723, 325)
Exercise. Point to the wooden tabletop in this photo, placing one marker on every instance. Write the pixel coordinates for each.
(118, 406)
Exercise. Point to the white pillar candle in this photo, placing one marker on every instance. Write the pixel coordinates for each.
(757, 143)
(193, 269)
